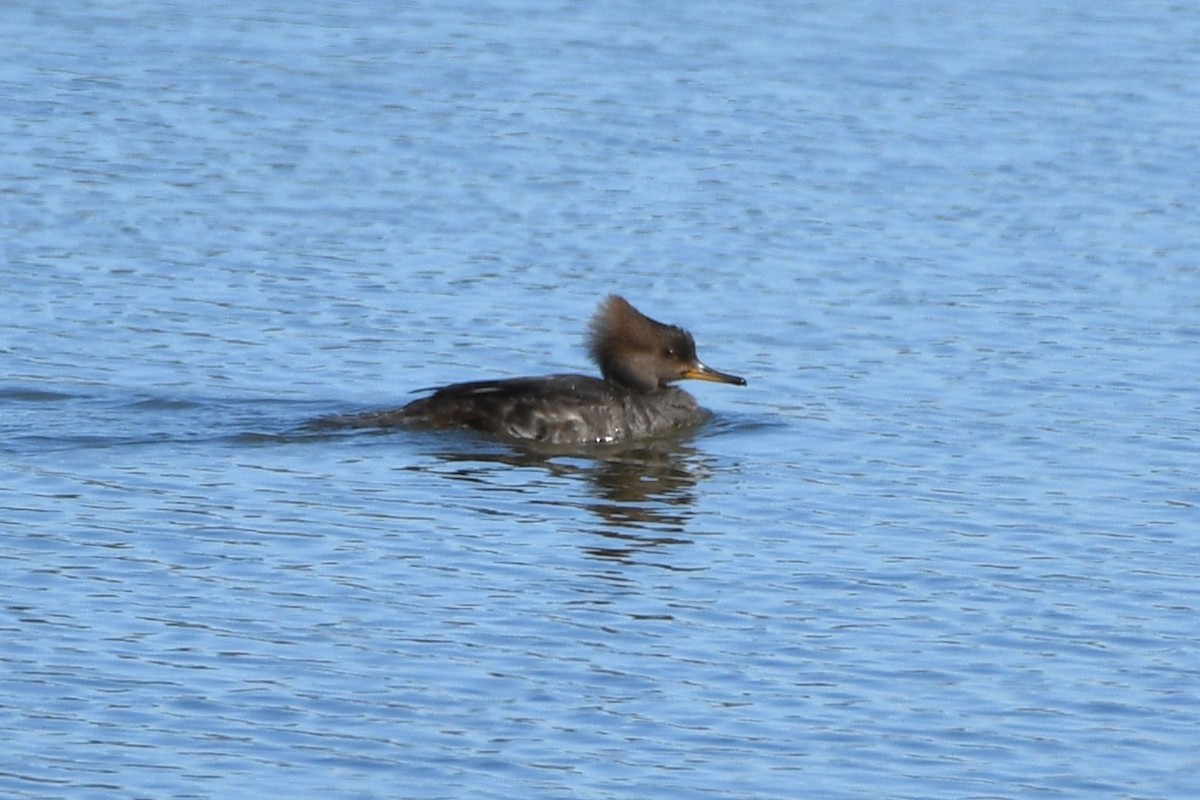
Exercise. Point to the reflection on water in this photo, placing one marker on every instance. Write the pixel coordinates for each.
(642, 494)
(646, 498)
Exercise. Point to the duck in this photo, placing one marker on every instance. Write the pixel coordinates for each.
(639, 359)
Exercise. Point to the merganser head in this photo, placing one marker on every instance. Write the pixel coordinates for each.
(643, 354)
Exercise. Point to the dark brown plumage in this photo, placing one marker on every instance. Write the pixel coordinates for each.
(638, 358)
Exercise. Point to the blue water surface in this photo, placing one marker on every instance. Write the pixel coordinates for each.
(944, 544)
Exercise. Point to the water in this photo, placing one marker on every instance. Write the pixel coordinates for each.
(943, 545)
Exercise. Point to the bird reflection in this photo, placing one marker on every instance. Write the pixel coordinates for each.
(642, 495)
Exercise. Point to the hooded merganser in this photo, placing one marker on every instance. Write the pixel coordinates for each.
(639, 359)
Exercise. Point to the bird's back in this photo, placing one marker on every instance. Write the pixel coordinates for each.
(557, 409)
